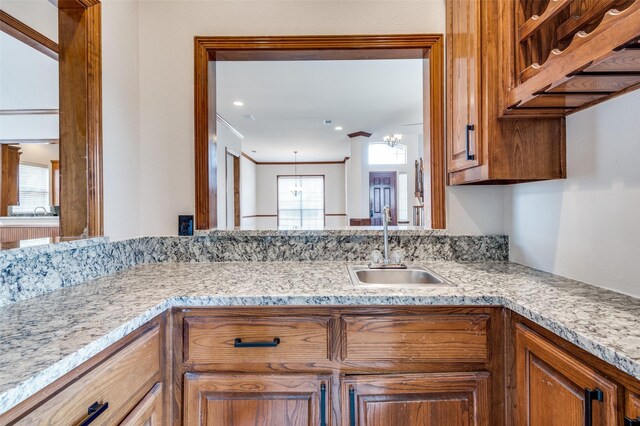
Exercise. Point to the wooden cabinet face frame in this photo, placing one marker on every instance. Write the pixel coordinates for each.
(552, 386)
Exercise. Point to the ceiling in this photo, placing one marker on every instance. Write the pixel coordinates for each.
(290, 99)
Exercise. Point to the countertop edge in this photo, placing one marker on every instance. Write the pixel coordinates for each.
(12, 397)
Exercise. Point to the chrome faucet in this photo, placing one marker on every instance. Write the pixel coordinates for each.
(386, 219)
(382, 261)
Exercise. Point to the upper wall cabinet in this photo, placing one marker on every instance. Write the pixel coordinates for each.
(571, 54)
(483, 147)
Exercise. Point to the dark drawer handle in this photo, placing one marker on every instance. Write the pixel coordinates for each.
(470, 128)
(589, 397)
(240, 344)
(631, 422)
(94, 412)
(352, 407)
(323, 405)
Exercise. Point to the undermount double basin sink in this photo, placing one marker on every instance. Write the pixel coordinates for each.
(412, 276)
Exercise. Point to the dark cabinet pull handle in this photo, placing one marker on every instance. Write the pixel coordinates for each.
(470, 128)
(589, 397)
(631, 422)
(323, 404)
(94, 412)
(240, 344)
(352, 407)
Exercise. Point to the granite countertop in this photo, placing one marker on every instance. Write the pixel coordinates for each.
(43, 338)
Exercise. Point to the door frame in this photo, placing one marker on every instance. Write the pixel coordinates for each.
(209, 49)
(79, 56)
(236, 186)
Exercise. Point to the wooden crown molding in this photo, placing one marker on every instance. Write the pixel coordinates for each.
(24, 33)
(291, 163)
(360, 133)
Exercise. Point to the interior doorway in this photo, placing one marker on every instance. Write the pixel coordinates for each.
(382, 192)
(232, 189)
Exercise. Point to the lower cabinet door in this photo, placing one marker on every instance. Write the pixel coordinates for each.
(439, 399)
(256, 399)
(632, 409)
(148, 412)
(556, 389)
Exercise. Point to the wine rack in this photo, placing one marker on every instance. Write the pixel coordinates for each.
(571, 54)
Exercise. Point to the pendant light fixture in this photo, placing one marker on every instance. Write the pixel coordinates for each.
(392, 140)
(297, 186)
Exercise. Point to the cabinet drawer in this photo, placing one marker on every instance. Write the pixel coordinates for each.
(120, 381)
(445, 338)
(255, 340)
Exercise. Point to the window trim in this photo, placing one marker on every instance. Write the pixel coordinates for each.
(324, 196)
(406, 155)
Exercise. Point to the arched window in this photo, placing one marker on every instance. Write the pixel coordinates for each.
(382, 153)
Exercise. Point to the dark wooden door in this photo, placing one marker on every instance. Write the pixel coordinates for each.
(256, 399)
(552, 386)
(382, 192)
(442, 399)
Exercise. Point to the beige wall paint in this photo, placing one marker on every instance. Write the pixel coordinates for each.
(587, 226)
(121, 122)
(166, 31)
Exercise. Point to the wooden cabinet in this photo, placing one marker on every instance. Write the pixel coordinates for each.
(109, 391)
(573, 54)
(55, 182)
(415, 338)
(10, 190)
(252, 399)
(464, 150)
(149, 411)
(448, 399)
(210, 339)
(481, 146)
(632, 409)
(554, 388)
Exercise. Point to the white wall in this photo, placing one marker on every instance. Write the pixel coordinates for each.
(267, 191)
(121, 118)
(226, 139)
(587, 226)
(167, 29)
(248, 193)
(41, 15)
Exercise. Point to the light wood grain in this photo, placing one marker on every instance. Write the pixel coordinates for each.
(122, 381)
(243, 399)
(550, 385)
(416, 338)
(211, 339)
(451, 399)
(149, 411)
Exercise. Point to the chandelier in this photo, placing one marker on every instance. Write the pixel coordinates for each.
(297, 186)
(392, 140)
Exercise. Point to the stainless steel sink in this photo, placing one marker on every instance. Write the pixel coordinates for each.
(412, 276)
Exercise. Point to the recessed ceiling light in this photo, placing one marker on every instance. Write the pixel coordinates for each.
(254, 151)
(238, 103)
(338, 127)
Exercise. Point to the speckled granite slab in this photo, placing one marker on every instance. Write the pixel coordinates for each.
(38, 344)
(34, 271)
(340, 245)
